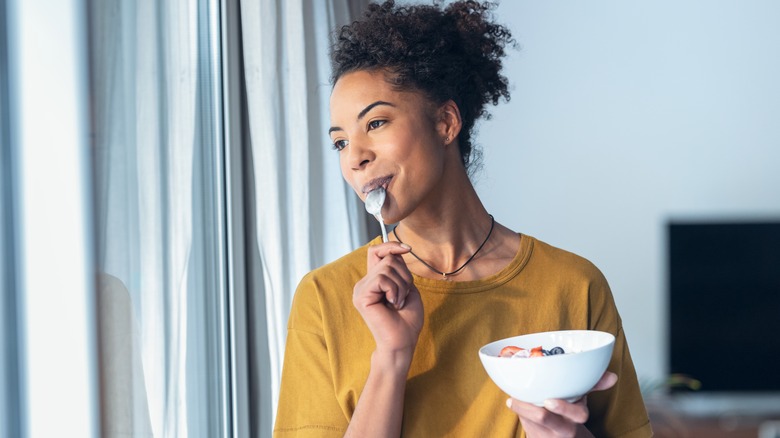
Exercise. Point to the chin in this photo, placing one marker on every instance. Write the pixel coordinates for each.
(393, 217)
(389, 220)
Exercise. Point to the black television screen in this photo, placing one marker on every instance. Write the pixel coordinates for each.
(724, 304)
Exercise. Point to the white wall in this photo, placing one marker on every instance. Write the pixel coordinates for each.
(625, 114)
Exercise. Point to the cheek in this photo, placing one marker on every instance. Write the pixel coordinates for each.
(347, 173)
(426, 153)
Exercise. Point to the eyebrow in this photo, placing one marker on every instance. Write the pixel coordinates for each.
(363, 113)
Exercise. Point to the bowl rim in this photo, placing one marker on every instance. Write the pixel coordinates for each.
(609, 339)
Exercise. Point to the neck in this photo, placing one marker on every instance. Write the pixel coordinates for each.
(446, 274)
(449, 226)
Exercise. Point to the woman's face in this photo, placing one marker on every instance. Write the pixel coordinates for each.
(386, 138)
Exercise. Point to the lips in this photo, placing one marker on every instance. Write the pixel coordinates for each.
(382, 181)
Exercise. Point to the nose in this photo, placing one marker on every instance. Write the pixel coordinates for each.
(359, 154)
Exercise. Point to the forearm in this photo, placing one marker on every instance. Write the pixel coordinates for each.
(379, 410)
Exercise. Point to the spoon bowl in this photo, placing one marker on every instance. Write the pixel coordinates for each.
(374, 202)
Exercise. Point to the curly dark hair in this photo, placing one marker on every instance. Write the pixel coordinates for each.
(451, 52)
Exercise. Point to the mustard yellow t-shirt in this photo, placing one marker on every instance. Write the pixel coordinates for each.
(448, 392)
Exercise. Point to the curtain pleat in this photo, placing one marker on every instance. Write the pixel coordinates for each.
(304, 214)
(153, 102)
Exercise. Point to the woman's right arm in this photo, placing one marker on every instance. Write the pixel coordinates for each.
(391, 307)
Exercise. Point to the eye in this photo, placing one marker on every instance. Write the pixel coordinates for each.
(338, 145)
(375, 124)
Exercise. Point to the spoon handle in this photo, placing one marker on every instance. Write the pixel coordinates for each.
(382, 224)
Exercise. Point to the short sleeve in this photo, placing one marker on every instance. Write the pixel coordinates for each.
(619, 411)
(307, 401)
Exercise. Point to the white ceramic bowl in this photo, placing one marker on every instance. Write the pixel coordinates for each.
(564, 376)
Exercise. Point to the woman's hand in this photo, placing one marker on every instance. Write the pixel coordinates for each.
(388, 301)
(558, 418)
(391, 307)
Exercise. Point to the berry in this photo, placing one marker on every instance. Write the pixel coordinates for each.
(509, 351)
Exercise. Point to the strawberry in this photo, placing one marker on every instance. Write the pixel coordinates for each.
(509, 351)
(537, 352)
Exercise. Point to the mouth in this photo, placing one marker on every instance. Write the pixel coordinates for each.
(375, 183)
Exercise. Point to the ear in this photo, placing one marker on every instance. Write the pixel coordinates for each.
(448, 122)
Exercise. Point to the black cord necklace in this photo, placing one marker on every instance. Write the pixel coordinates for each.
(446, 274)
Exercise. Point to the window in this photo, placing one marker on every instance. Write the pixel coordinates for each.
(158, 161)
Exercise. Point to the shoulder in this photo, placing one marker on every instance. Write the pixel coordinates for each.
(580, 278)
(564, 263)
(327, 287)
(348, 266)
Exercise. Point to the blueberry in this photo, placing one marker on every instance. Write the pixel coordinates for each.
(546, 352)
(557, 350)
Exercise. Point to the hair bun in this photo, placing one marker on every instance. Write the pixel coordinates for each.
(451, 53)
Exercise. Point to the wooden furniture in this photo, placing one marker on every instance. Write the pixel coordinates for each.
(668, 423)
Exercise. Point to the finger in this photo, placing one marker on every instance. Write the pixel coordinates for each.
(383, 284)
(576, 412)
(534, 430)
(395, 267)
(405, 296)
(386, 287)
(399, 265)
(382, 250)
(542, 417)
(607, 381)
(398, 298)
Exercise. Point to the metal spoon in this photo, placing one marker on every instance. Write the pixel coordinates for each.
(374, 202)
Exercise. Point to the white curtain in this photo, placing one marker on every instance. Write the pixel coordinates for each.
(304, 214)
(153, 142)
(156, 133)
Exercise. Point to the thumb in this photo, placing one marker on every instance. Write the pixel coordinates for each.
(607, 381)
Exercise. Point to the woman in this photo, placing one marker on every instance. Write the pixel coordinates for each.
(383, 342)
